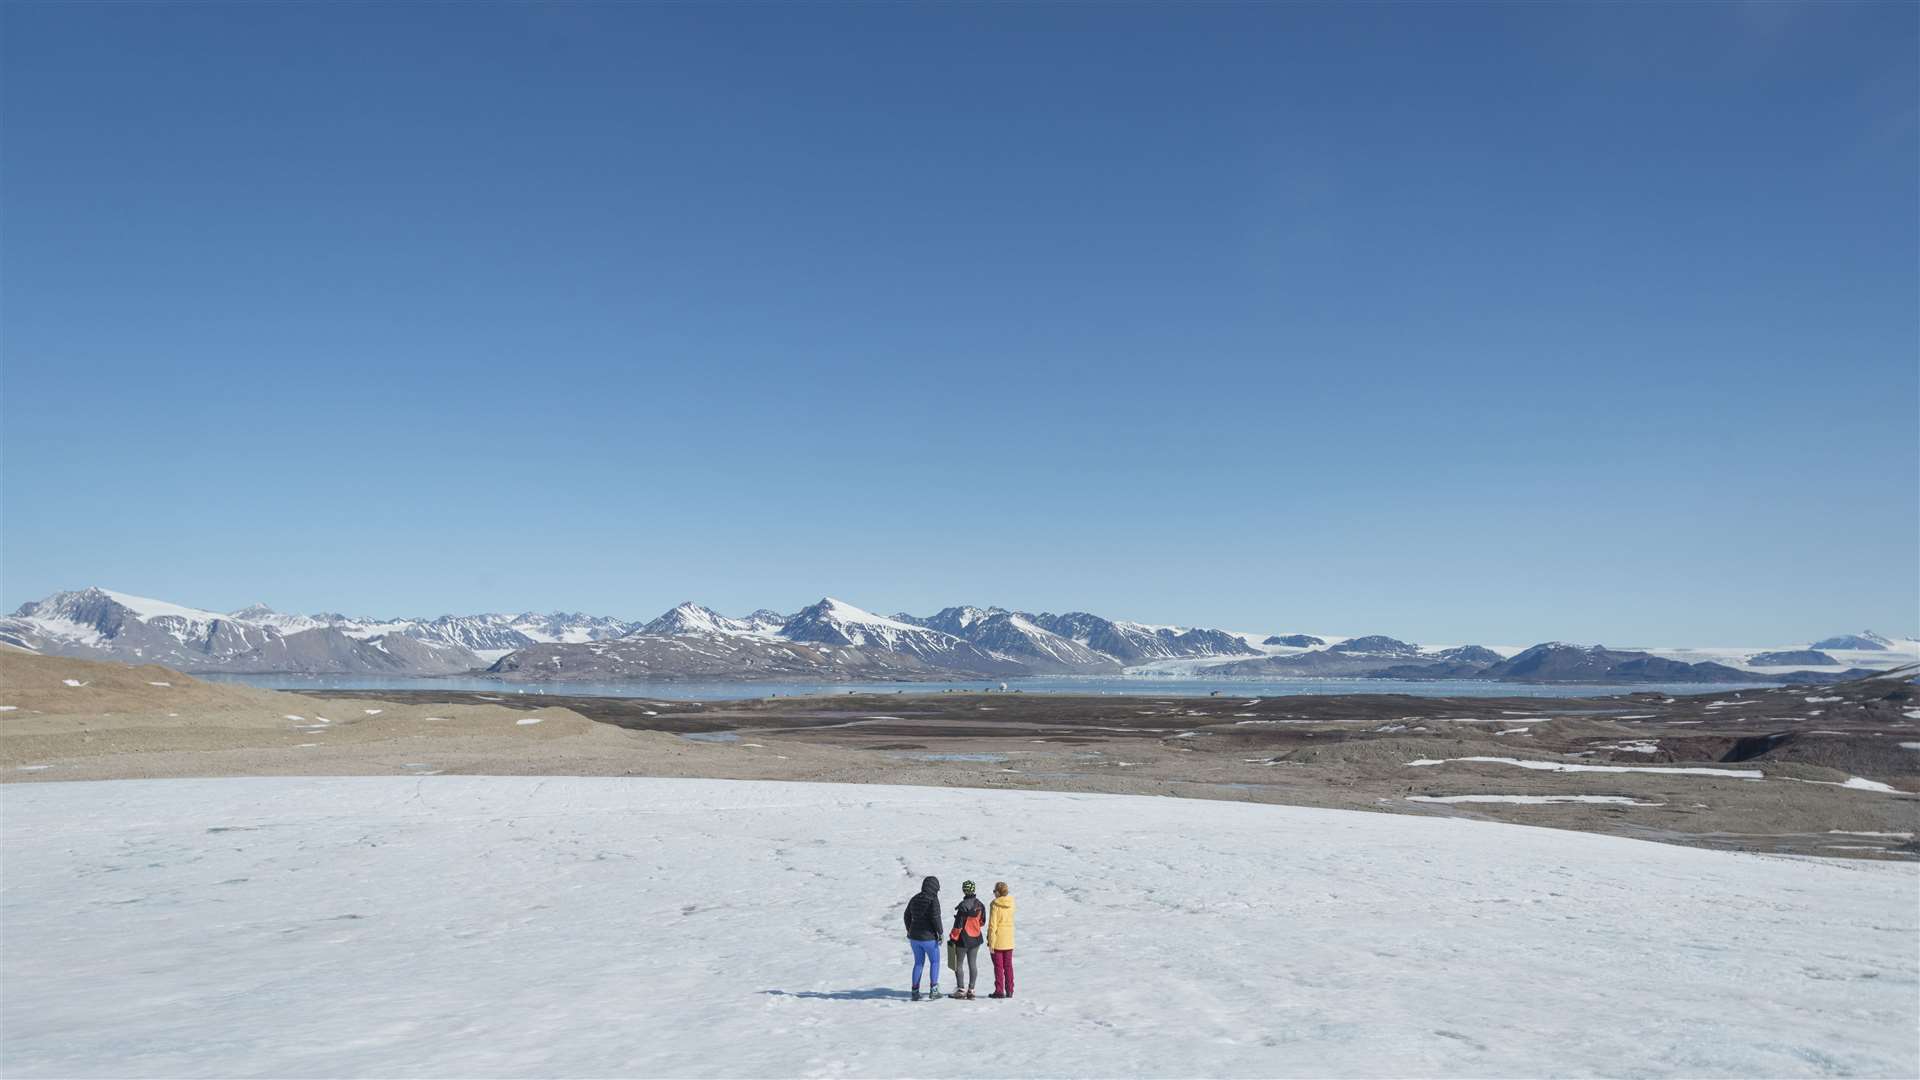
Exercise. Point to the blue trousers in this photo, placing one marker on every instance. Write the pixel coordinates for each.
(926, 953)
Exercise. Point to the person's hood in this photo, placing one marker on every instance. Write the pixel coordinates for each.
(931, 886)
(1005, 902)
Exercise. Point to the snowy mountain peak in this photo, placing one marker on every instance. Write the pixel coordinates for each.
(1376, 645)
(92, 604)
(958, 621)
(148, 608)
(1134, 643)
(691, 618)
(1865, 639)
(766, 622)
(1012, 634)
(836, 622)
(968, 616)
(841, 609)
(832, 609)
(262, 615)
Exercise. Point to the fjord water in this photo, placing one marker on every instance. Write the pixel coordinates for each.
(1144, 686)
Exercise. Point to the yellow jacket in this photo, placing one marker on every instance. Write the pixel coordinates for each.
(1000, 923)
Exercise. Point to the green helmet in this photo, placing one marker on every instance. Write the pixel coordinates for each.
(966, 887)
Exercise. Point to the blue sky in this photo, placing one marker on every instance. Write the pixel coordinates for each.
(1459, 323)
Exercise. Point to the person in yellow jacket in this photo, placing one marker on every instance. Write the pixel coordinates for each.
(1000, 940)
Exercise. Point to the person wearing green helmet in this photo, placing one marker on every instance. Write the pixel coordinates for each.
(963, 945)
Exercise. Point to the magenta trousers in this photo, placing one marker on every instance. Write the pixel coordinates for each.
(1003, 971)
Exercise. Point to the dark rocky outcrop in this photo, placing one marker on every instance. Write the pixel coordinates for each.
(1790, 658)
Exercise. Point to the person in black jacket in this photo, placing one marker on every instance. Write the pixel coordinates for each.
(969, 928)
(923, 934)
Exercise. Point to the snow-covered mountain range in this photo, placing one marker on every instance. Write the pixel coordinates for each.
(835, 640)
(101, 623)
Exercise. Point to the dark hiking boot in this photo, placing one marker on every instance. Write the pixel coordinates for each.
(916, 993)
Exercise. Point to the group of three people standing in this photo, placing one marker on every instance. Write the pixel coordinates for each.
(973, 923)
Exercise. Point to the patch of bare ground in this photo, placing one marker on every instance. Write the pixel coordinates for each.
(1837, 771)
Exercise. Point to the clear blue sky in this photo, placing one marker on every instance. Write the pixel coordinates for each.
(1451, 322)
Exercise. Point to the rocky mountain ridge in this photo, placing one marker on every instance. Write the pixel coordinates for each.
(830, 640)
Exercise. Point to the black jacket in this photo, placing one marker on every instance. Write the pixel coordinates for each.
(923, 913)
(970, 908)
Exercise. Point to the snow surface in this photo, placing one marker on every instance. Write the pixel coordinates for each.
(1857, 783)
(264, 616)
(522, 926)
(1894, 655)
(148, 608)
(1533, 800)
(1562, 766)
(1888, 835)
(843, 612)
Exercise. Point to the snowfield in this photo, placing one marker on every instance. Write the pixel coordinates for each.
(528, 926)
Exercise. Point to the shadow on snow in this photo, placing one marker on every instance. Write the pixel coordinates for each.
(876, 993)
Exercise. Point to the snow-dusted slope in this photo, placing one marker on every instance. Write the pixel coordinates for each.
(262, 615)
(836, 622)
(1012, 634)
(569, 626)
(691, 618)
(390, 926)
(493, 635)
(1893, 654)
(765, 621)
(101, 618)
(957, 642)
(1865, 639)
(101, 624)
(489, 635)
(1138, 643)
(840, 623)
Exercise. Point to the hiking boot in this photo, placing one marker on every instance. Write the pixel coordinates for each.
(969, 993)
(958, 994)
(933, 993)
(916, 993)
(996, 994)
